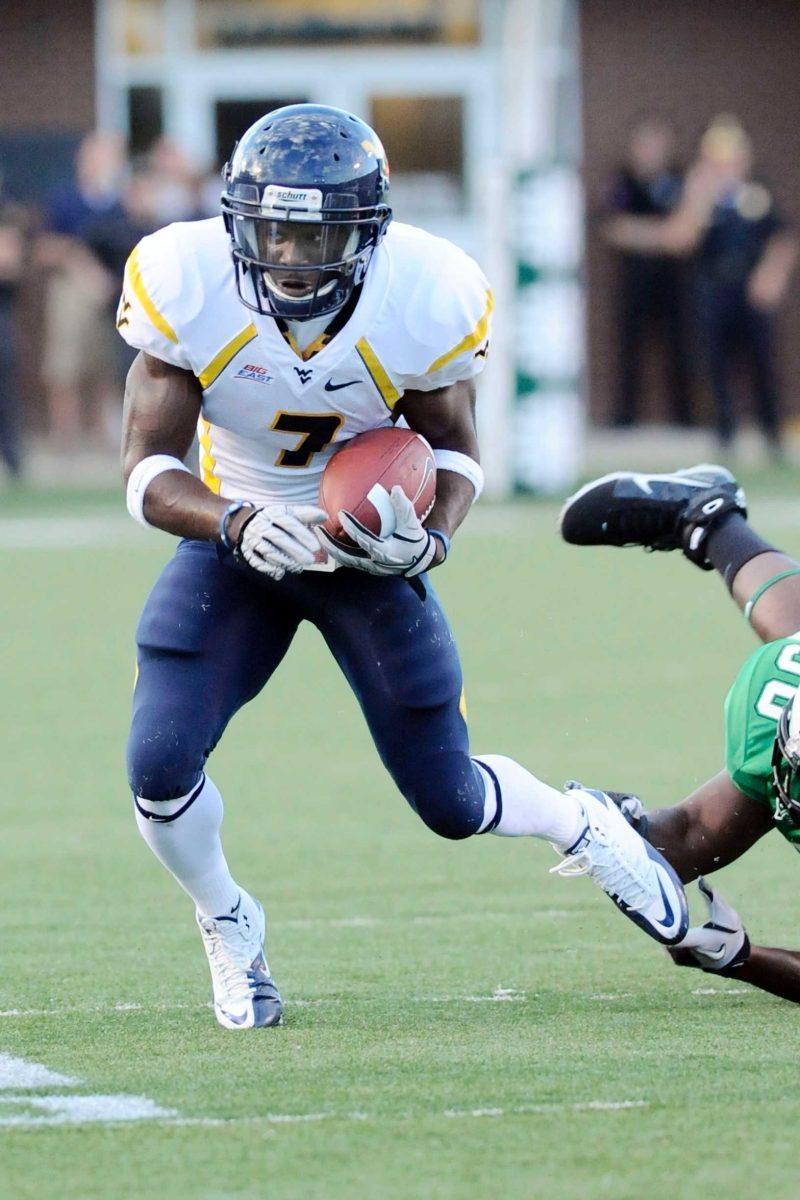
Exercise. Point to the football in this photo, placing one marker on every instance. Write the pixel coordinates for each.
(361, 475)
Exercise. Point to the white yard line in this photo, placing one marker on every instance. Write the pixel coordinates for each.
(19, 1110)
(35, 1111)
(500, 994)
(66, 1010)
(525, 1109)
(450, 1113)
(723, 991)
(19, 1073)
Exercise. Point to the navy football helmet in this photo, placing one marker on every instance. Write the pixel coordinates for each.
(305, 206)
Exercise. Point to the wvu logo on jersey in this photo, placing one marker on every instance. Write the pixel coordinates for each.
(304, 374)
(252, 371)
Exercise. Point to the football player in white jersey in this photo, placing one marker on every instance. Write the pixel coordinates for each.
(301, 317)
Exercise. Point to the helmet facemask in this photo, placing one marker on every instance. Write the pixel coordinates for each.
(301, 254)
(786, 765)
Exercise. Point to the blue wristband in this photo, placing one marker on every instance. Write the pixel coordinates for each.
(443, 538)
(231, 511)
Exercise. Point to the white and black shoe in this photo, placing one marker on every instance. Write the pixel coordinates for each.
(660, 512)
(245, 995)
(630, 871)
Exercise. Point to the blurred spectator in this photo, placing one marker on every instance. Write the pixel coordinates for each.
(209, 190)
(111, 236)
(744, 255)
(651, 289)
(175, 186)
(11, 262)
(80, 341)
(744, 260)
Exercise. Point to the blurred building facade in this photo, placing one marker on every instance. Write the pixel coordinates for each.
(448, 84)
(485, 107)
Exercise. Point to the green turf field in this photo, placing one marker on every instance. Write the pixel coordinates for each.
(458, 1022)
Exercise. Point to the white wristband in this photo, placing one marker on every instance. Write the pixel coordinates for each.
(461, 464)
(142, 476)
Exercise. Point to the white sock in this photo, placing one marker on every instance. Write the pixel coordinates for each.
(520, 805)
(184, 836)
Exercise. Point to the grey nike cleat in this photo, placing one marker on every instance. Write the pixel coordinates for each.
(660, 512)
(245, 995)
(630, 871)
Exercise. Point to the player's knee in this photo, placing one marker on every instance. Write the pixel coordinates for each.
(164, 761)
(446, 791)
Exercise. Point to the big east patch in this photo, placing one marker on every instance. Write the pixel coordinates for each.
(251, 371)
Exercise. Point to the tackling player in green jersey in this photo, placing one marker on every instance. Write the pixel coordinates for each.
(702, 512)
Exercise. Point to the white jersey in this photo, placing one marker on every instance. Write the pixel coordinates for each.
(272, 415)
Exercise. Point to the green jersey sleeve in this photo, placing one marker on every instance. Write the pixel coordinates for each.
(766, 682)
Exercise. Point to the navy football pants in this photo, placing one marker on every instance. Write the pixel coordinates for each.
(211, 635)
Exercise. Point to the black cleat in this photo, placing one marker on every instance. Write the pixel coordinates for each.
(659, 512)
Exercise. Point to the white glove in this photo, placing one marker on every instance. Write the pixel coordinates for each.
(280, 538)
(722, 942)
(408, 550)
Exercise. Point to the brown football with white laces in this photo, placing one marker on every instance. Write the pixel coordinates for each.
(360, 477)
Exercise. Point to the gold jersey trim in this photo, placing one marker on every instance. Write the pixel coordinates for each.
(378, 373)
(228, 352)
(319, 343)
(208, 463)
(471, 340)
(134, 275)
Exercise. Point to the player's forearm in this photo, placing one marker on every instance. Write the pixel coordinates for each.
(669, 830)
(682, 835)
(771, 969)
(179, 503)
(447, 419)
(162, 404)
(712, 828)
(454, 497)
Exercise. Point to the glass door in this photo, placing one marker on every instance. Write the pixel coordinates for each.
(232, 117)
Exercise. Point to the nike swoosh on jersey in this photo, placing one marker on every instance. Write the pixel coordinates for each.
(330, 386)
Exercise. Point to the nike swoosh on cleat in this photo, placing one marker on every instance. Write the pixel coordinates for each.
(669, 917)
(233, 1019)
(643, 482)
(680, 920)
(714, 955)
